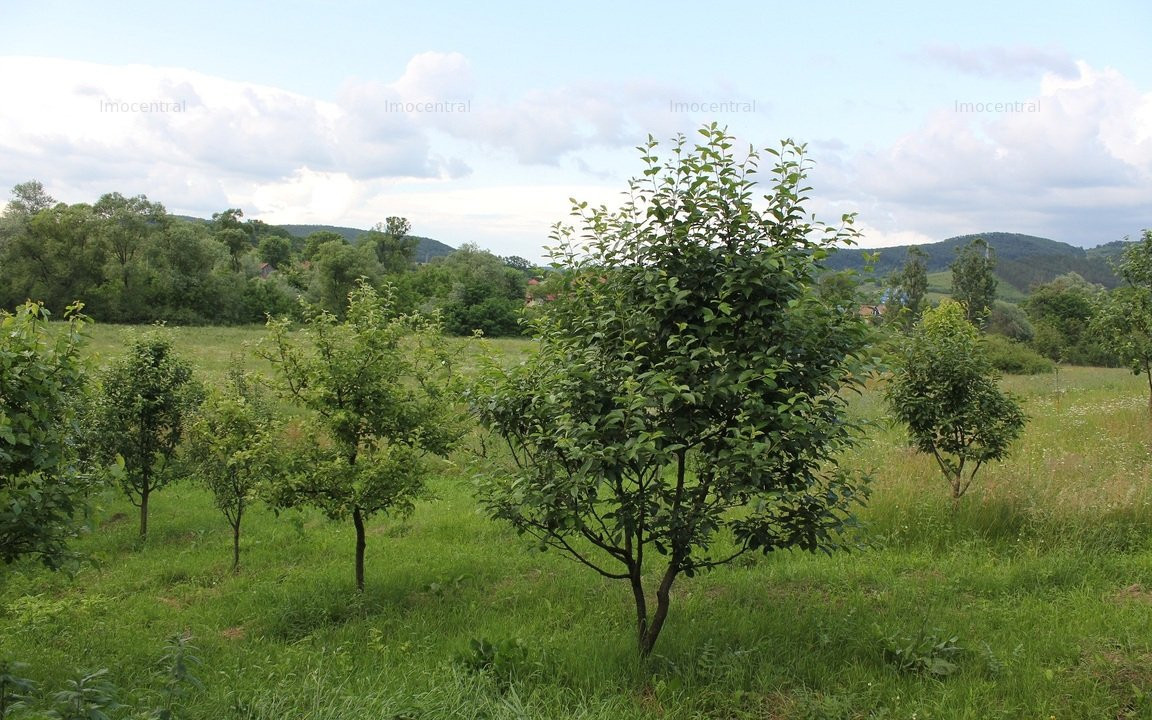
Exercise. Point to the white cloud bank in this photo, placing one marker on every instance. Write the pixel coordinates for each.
(1073, 162)
(467, 167)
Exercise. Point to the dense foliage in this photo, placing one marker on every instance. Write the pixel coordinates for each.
(41, 385)
(689, 380)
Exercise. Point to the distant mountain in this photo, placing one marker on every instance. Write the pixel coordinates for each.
(1021, 260)
(426, 249)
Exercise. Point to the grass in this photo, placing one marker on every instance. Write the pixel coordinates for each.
(1043, 575)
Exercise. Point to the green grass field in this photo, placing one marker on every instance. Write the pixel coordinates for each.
(1043, 576)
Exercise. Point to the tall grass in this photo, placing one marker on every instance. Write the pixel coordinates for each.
(1043, 574)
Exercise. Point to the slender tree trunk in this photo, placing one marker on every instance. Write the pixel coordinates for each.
(663, 602)
(1148, 371)
(641, 607)
(358, 519)
(236, 547)
(144, 510)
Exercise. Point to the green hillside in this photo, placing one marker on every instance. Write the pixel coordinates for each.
(1021, 260)
(426, 249)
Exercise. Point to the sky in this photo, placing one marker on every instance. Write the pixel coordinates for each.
(479, 122)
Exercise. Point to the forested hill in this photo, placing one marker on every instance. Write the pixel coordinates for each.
(1021, 260)
(426, 249)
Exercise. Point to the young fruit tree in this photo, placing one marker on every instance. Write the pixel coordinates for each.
(42, 380)
(686, 400)
(139, 416)
(233, 447)
(944, 388)
(376, 390)
(1123, 319)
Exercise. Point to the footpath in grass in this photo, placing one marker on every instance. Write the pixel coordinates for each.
(1033, 599)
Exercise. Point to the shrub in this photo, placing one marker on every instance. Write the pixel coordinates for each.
(1014, 358)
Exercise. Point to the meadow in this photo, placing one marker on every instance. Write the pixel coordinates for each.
(1030, 599)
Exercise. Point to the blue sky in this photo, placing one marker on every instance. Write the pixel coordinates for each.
(289, 110)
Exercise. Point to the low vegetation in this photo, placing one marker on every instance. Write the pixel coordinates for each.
(1033, 594)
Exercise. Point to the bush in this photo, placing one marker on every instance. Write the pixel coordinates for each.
(1009, 356)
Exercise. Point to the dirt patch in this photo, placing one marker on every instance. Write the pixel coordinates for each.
(114, 519)
(1134, 593)
(234, 633)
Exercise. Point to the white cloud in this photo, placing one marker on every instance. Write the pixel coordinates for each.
(1077, 167)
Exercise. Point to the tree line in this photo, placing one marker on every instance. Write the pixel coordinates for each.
(1066, 320)
(129, 261)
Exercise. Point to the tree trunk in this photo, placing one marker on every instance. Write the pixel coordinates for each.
(663, 601)
(236, 547)
(144, 511)
(358, 519)
(1148, 371)
(641, 608)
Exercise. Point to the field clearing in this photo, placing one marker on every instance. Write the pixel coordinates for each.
(1043, 574)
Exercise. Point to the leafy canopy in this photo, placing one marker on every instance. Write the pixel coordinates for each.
(688, 379)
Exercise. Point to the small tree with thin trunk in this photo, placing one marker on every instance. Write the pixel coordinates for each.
(944, 388)
(139, 414)
(686, 399)
(375, 387)
(233, 447)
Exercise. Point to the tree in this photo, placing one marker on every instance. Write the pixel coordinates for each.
(688, 380)
(139, 415)
(28, 198)
(275, 250)
(56, 257)
(233, 446)
(375, 385)
(945, 390)
(973, 284)
(1124, 316)
(393, 245)
(1062, 312)
(127, 225)
(41, 384)
(911, 285)
(336, 269)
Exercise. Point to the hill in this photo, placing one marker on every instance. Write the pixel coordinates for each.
(1021, 260)
(426, 249)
